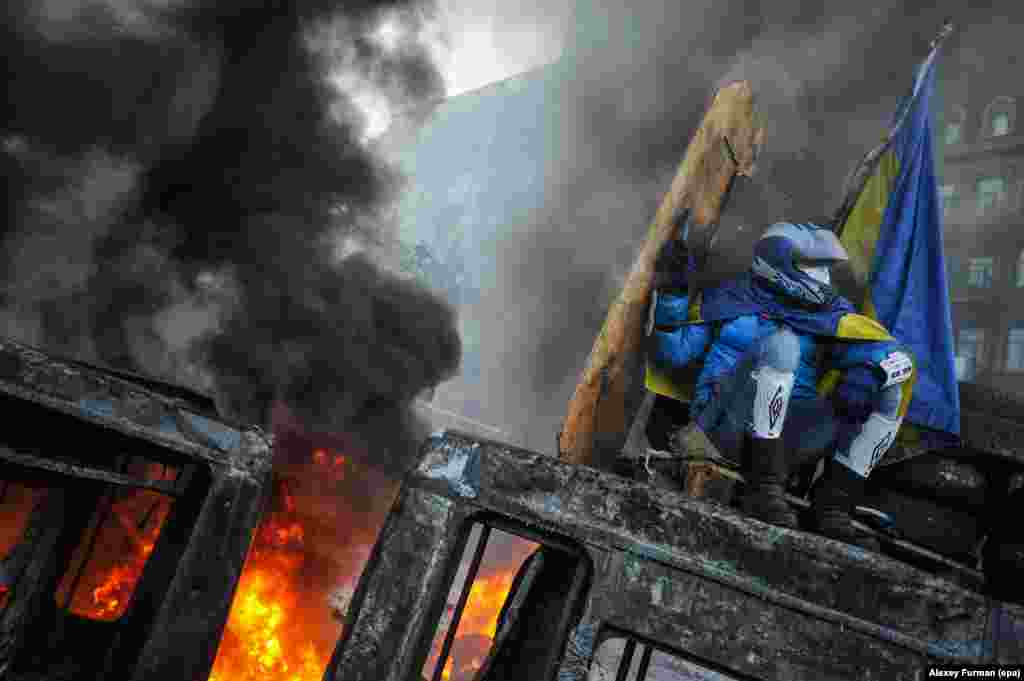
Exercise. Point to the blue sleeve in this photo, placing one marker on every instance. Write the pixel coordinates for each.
(675, 349)
(862, 378)
(671, 310)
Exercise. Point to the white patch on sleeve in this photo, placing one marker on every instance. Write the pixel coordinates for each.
(897, 367)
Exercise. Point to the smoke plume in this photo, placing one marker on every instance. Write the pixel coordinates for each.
(180, 179)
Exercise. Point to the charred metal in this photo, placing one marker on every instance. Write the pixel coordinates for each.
(667, 571)
(79, 436)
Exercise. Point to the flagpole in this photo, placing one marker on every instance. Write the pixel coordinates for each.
(858, 178)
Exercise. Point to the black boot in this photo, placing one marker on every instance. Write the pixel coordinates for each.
(837, 493)
(765, 496)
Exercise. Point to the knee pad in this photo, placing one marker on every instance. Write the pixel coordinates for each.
(866, 448)
(771, 401)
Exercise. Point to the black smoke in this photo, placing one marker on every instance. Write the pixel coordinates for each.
(179, 177)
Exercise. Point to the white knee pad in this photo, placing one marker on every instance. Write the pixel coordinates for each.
(771, 400)
(867, 449)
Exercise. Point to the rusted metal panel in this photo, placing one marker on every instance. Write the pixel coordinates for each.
(949, 531)
(195, 608)
(942, 478)
(400, 593)
(718, 543)
(181, 604)
(726, 626)
(989, 433)
(8, 455)
(106, 399)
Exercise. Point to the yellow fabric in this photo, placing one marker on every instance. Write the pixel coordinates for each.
(860, 232)
(660, 383)
(861, 327)
(693, 312)
(859, 237)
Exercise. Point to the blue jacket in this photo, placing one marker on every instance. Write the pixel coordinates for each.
(721, 344)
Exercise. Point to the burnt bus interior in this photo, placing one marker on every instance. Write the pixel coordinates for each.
(544, 599)
(89, 557)
(112, 502)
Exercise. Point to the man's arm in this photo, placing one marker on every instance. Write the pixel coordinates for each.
(673, 346)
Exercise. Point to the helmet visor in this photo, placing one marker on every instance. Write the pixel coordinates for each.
(822, 247)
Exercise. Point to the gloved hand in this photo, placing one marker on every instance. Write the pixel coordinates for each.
(857, 393)
(672, 267)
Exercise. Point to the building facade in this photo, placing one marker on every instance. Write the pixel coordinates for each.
(980, 140)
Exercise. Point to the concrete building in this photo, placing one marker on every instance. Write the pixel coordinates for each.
(980, 139)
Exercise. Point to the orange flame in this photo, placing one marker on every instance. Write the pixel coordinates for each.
(266, 638)
(280, 627)
(123, 544)
(479, 622)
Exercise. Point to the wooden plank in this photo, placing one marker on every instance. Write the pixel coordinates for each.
(598, 405)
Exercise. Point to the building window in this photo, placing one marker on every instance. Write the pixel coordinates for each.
(1020, 270)
(979, 272)
(999, 117)
(950, 199)
(953, 133)
(970, 348)
(1015, 348)
(991, 194)
(953, 126)
(1000, 124)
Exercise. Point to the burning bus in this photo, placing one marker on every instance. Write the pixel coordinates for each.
(128, 508)
(145, 537)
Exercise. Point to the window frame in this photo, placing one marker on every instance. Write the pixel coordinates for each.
(1000, 105)
(1019, 367)
(999, 197)
(980, 334)
(955, 121)
(981, 265)
(648, 647)
(949, 199)
(488, 520)
(76, 492)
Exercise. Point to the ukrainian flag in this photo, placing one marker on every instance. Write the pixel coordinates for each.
(893, 234)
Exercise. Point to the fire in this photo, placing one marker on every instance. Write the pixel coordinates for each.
(281, 626)
(267, 638)
(479, 622)
(16, 503)
(486, 597)
(110, 559)
(110, 598)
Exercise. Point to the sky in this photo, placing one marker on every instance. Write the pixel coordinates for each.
(489, 40)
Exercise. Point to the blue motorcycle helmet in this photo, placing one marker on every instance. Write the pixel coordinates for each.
(794, 259)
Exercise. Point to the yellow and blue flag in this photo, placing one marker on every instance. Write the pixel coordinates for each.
(894, 238)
